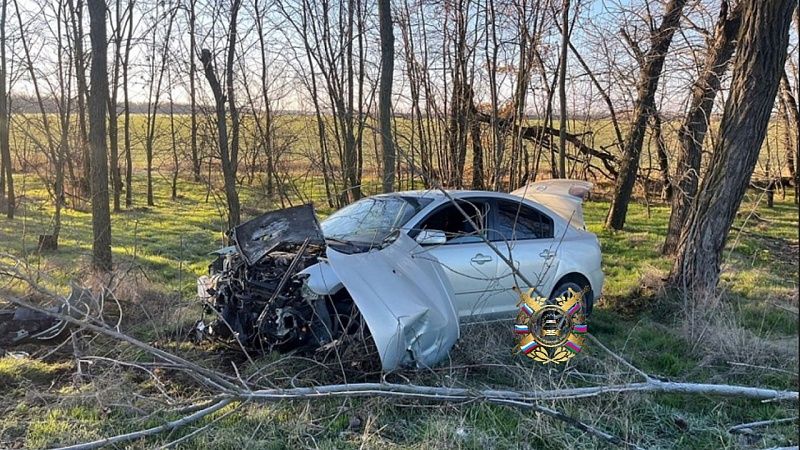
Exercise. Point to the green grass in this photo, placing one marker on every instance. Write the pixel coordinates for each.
(163, 248)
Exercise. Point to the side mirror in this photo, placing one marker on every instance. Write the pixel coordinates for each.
(431, 237)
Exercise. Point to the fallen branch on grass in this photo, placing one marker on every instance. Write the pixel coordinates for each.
(446, 394)
(747, 428)
(522, 400)
(169, 426)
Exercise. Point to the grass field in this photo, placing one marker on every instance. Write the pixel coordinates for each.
(751, 339)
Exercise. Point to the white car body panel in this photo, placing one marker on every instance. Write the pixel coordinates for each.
(563, 197)
(406, 300)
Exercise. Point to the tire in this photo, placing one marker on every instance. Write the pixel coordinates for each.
(575, 285)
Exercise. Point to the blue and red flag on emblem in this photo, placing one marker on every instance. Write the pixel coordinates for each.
(527, 309)
(575, 308)
(521, 329)
(527, 348)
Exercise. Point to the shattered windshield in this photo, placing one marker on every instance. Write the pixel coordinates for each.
(371, 220)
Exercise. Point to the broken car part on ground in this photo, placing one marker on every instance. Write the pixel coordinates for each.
(20, 325)
(282, 286)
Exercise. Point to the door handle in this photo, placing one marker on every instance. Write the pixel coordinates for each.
(547, 254)
(481, 259)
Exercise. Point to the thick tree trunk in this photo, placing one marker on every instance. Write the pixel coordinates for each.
(98, 100)
(5, 150)
(762, 43)
(693, 129)
(652, 63)
(385, 94)
(457, 128)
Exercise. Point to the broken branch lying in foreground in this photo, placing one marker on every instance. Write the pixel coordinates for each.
(227, 389)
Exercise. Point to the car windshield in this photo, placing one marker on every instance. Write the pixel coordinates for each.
(370, 220)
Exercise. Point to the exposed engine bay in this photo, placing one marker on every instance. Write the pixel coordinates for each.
(257, 294)
(282, 287)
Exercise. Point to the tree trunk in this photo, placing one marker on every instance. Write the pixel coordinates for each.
(562, 92)
(5, 150)
(228, 155)
(693, 129)
(792, 156)
(127, 111)
(232, 162)
(663, 157)
(80, 78)
(477, 150)
(762, 43)
(652, 63)
(98, 100)
(113, 116)
(193, 92)
(385, 94)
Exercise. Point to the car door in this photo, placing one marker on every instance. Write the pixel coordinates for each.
(525, 236)
(467, 260)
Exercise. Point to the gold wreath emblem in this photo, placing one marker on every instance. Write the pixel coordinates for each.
(550, 331)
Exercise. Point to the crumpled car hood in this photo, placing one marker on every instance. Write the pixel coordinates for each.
(256, 238)
(406, 300)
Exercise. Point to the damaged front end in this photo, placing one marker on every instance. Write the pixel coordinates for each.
(282, 287)
(253, 288)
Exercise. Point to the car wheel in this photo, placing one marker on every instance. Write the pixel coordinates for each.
(565, 286)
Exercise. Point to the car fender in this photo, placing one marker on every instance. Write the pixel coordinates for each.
(405, 299)
(572, 259)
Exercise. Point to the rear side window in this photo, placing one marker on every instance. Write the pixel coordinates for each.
(517, 221)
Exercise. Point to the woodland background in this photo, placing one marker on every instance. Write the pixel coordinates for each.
(134, 133)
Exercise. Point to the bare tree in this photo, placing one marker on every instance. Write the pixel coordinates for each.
(562, 91)
(385, 94)
(53, 151)
(98, 101)
(127, 109)
(651, 64)
(76, 15)
(113, 115)
(193, 90)
(7, 185)
(695, 124)
(762, 43)
(156, 78)
(229, 153)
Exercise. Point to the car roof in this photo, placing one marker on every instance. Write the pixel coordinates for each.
(455, 193)
(437, 196)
